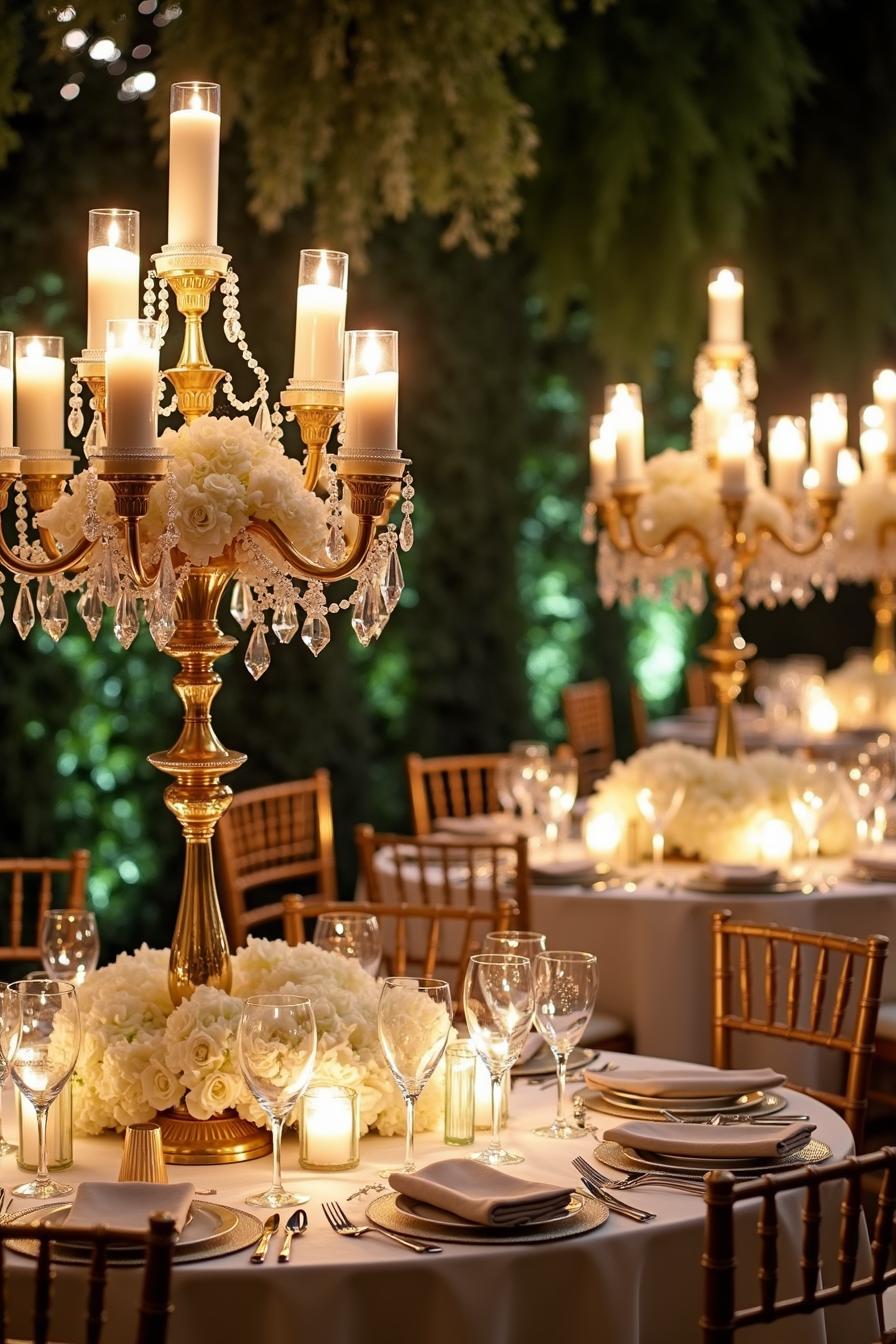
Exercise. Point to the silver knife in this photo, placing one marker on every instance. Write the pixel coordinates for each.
(295, 1226)
(270, 1227)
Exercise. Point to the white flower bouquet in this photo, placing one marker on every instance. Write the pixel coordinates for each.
(140, 1055)
(866, 530)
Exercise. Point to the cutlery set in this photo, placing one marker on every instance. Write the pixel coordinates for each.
(295, 1226)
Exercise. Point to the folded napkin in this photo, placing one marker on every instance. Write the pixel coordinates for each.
(481, 1194)
(684, 1082)
(531, 1047)
(126, 1206)
(715, 1141)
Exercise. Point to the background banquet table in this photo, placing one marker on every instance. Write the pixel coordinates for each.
(695, 727)
(624, 1283)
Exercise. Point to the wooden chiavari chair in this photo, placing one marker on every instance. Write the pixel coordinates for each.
(17, 922)
(698, 686)
(407, 926)
(270, 837)
(451, 786)
(721, 1318)
(588, 714)
(154, 1307)
(802, 1017)
(436, 871)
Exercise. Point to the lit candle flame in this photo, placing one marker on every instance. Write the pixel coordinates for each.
(35, 348)
(371, 355)
(114, 234)
(322, 275)
(872, 416)
(196, 101)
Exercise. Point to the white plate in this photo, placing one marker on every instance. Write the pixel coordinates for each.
(543, 1065)
(433, 1217)
(207, 1222)
(734, 1100)
(748, 1165)
(595, 1101)
(700, 882)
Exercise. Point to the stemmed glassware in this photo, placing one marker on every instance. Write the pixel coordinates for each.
(565, 992)
(861, 788)
(7, 1035)
(498, 1004)
(42, 1036)
(413, 1023)
(516, 942)
(554, 788)
(813, 798)
(526, 758)
(659, 807)
(352, 935)
(69, 944)
(276, 1046)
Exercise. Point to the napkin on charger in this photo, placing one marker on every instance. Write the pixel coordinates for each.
(684, 1082)
(481, 1194)
(715, 1141)
(126, 1206)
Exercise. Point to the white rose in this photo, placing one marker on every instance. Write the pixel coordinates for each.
(219, 1092)
(161, 1089)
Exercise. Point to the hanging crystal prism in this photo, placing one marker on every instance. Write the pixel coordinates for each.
(109, 585)
(23, 612)
(126, 620)
(370, 613)
(285, 623)
(263, 420)
(316, 633)
(96, 435)
(162, 627)
(166, 583)
(258, 655)
(406, 534)
(90, 609)
(43, 595)
(55, 617)
(241, 604)
(393, 582)
(334, 546)
(75, 421)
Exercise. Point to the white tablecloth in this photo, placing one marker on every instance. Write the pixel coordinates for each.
(624, 1283)
(696, 727)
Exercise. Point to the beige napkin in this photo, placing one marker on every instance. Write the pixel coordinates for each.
(712, 1141)
(481, 1194)
(531, 1047)
(684, 1082)
(126, 1206)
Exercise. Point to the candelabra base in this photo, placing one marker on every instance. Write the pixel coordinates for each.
(188, 1142)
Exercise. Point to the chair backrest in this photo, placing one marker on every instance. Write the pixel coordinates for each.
(154, 1307)
(801, 1009)
(444, 872)
(273, 836)
(639, 717)
(588, 714)
(35, 886)
(451, 786)
(698, 686)
(720, 1318)
(413, 933)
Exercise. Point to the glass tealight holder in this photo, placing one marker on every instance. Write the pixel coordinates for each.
(113, 271)
(193, 95)
(320, 320)
(460, 1094)
(59, 1132)
(371, 394)
(330, 1129)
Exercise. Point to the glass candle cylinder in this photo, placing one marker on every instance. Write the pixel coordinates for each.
(194, 148)
(132, 387)
(735, 451)
(113, 271)
(320, 317)
(603, 832)
(371, 394)
(460, 1093)
(40, 396)
(874, 441)
(885, 398)
(827, 435)
(623, 408)
(6, 386)
(59, 1132)
(787, 455)
(726, 306)
(602, 454)
(330, 1129)
(721, 398)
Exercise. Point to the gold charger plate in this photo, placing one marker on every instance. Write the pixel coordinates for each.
(384, 1212)
(758, 1103)
(234, 1231)
(714, 887)
(625, 1159)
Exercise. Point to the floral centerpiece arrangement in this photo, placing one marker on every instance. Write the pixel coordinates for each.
(140, 1055)
(866, 530)
(725, 801)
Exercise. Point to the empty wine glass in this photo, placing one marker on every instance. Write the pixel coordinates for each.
(505, 774)
(554, 788)
(861, 786)
(565, 991)
(883, 754)
(69, 944)
(516, 942)
(526, 757)
(43, 1031)
(276, 1046)
(813, 797)
(659, 806)
(498, 1005)
(352, 935)
(7, 1022)
(413, 1023)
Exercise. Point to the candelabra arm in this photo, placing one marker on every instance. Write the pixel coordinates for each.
(625, 505)
(141, 576)
(308, 569)
(827, 511)
(58, 563)
(885, 534)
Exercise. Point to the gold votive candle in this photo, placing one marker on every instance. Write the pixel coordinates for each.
(460, 1093)
(329, 1129)
(59, 1132)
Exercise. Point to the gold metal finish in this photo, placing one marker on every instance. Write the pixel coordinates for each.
(315, 426)
(97, 387)
(142, 1158)
(193, 379)
(883, 604)
(189, 1142)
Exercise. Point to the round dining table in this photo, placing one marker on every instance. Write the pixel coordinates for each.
(621, 1283)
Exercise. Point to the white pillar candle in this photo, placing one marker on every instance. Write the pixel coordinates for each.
(371, 394)
(885, 398)
(6, 389)
(623, 405)
(721, 398)
(194, 148)
(787, 455)
(849, 468)
(113, 271)
(776, 841)
(874, 442)
(735, 452)
(132, 387)
(726, 306)
(40, 396)
(827, 435)
(602, 832)
(602, 454)
(320, 317)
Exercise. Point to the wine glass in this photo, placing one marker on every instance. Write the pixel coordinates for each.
(276, 1046)
(813, 797)
(7, 1022)
(413, 1023)
(498, 1005)
(565, 991)
(516, 942)
(526, 756)
(659, 806)
(883, 754)
(505, 772)
(861, 787)
(69, 944)
(554, 789)
(352, 935)
(42, 1028)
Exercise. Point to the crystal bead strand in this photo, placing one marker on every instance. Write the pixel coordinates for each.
(406, 533)
(76, 403)
(334, 547)
(23, 611)
(233, 330)
(316, 627)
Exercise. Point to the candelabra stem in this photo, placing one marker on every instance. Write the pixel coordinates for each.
(883, 605)
(727, 653)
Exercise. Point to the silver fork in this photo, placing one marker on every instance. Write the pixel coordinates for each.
(685, 1184)
(341, 1223)
(613, 1203)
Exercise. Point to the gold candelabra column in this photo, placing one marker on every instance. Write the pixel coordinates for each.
(883, 604)
(193, 277)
